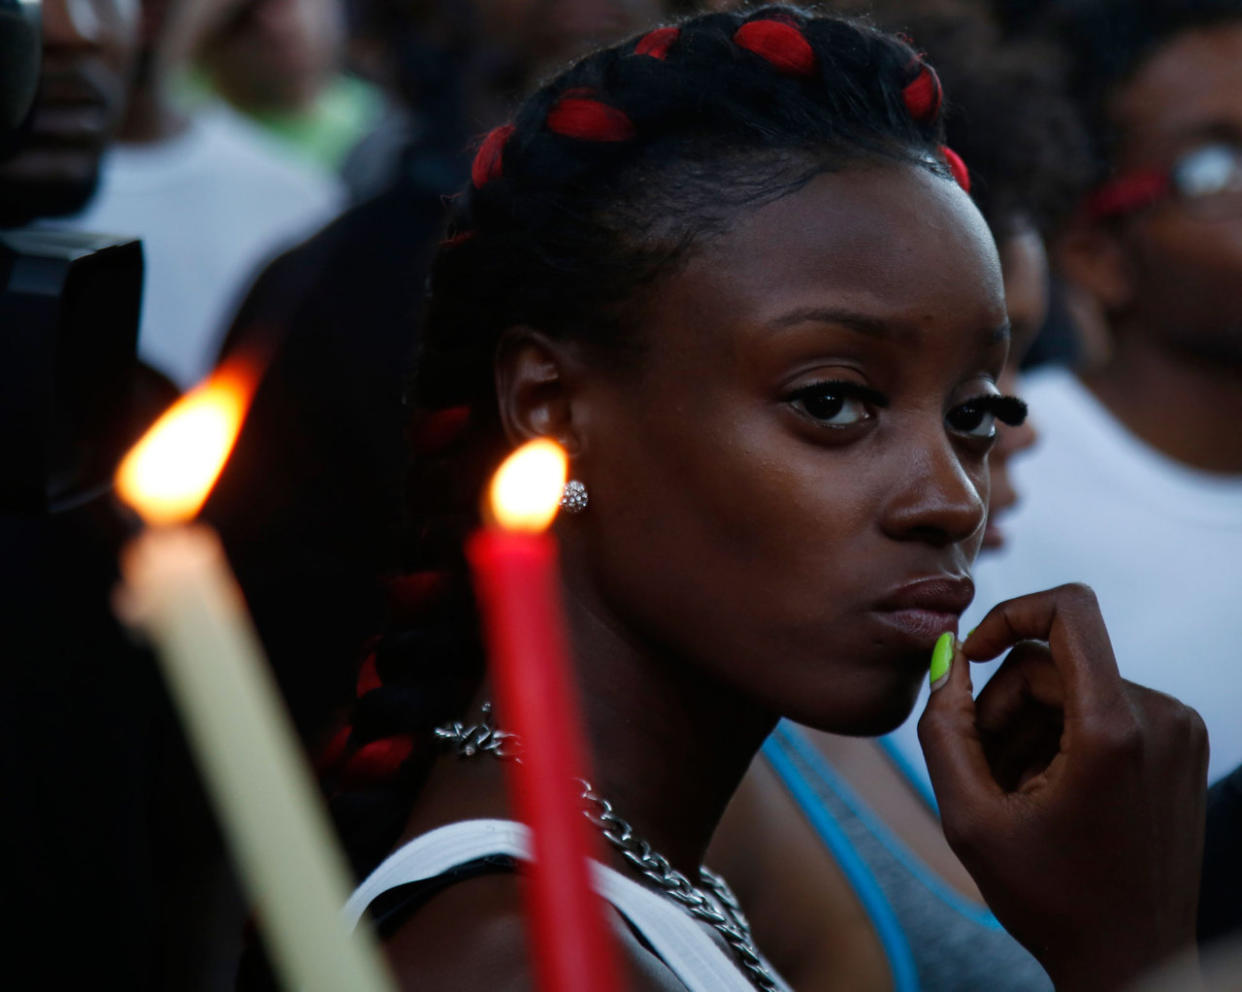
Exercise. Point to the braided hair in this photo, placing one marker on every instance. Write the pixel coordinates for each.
(1008, 112)
(605, 182)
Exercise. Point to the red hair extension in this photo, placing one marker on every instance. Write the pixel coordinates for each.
(411, 597)
(781, 43)
(577, 114)
(657, 43)
(330, 756)
(957, 167)
(486, 164)
(437, 430)
(923, 95)
(457, 239)
(1132, 192)
(368, 677)
(378, 761)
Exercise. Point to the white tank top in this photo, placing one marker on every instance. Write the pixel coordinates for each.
(682, 943)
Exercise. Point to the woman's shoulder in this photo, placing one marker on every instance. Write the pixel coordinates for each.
(465, 927)
(472, 936)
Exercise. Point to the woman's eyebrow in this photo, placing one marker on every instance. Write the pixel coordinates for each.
(868, 324)
(852, 320)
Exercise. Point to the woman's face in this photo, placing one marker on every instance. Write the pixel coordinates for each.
(786, 494)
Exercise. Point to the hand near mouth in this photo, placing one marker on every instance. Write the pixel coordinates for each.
(1074, 798)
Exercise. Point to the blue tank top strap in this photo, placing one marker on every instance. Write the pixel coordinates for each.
(796, 743)
(861, 880)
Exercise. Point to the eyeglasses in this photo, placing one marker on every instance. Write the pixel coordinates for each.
(1206, 180)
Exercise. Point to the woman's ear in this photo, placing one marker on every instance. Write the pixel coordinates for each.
(535, 375)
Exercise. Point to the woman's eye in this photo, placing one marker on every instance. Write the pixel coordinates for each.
(833, 404)
(973, 420)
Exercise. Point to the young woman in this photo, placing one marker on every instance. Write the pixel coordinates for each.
(728, 267)
(830, 842)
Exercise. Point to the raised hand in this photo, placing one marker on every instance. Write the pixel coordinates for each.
(1074, 798)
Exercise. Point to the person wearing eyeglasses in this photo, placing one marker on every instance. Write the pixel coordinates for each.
(1136, 486)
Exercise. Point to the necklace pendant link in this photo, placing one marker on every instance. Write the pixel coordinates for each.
(484, 738)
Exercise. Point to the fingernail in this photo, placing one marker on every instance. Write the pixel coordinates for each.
(941, 659)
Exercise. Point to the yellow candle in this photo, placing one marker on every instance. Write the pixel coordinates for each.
(178, 591)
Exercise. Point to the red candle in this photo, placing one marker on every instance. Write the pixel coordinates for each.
(515, 570)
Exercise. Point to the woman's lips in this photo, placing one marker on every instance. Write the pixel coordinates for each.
(918, 629)
(920, 611)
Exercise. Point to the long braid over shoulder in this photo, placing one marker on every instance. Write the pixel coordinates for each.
(606, 181)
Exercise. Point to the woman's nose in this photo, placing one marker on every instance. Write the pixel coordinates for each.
(937, 500)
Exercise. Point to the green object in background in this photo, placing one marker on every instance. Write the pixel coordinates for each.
(942, 658)
(322, 135)
(345, 111)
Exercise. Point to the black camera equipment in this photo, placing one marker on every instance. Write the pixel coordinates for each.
(69, 306)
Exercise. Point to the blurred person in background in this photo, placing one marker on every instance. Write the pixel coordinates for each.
(310, 503)
(281, 62)
(90, 53)
(833, 843)
(210, 195)
(455, 67)
(1136, 486)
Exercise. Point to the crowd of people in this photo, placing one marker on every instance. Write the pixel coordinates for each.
(824, 303)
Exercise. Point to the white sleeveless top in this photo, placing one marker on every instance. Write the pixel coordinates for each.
(683, 944)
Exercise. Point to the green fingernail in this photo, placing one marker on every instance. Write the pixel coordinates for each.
(942, 657)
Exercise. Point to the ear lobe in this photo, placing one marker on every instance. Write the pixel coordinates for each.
(1093, 259)
(533, 389)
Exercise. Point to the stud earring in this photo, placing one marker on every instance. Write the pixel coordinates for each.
(574, 497)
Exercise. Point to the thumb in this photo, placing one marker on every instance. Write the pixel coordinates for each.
(949, 737)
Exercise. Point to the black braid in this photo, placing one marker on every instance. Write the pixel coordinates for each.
(1008, 114)
(567, 235)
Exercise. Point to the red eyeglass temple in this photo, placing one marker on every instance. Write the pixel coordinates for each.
(1127, 193)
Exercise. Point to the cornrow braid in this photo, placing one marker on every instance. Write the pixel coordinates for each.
(579, 113)
(487, 162)
(607, 180)
(923, 95)
(956, 166)
(657, 43)
(779, 41)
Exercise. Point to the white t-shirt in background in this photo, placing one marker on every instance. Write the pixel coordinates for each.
(1160, 543)
(212, 206)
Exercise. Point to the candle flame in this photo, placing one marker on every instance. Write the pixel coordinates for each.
(168, 474)
(526, 489)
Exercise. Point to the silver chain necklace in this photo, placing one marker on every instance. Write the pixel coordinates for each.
(485, 738)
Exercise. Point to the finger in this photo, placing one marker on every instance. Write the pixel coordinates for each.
(956, 764)
(1020, 716)
(1027, 674)
(1068, 619)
